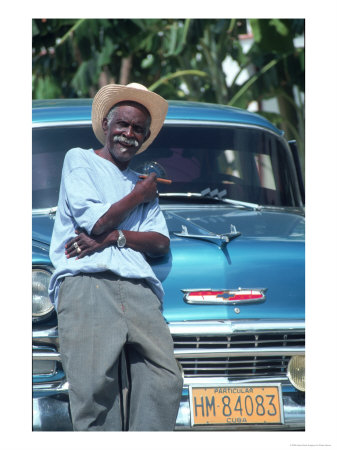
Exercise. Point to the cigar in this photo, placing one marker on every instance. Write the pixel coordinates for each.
(160, 180)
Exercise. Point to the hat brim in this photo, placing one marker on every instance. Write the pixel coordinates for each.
(111, 94)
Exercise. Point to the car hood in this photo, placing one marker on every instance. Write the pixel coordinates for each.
(268, 253)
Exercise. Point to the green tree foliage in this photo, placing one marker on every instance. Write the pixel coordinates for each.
(77, 56)
(274, 45)
(80, 55)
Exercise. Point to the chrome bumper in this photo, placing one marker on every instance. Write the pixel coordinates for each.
(51, 411)
(51, 404)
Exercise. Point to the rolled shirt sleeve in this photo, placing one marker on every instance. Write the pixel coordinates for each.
(153, 219)
(83, 198)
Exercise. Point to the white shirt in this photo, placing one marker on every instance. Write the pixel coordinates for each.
(90, 184)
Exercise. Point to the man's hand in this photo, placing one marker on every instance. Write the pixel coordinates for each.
(147, 188)
(88, 244)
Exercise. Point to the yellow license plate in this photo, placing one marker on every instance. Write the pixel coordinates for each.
(236, 405)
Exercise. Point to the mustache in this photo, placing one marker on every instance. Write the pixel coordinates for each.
(125, 140)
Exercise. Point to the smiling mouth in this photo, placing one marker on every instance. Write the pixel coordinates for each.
(125, 143)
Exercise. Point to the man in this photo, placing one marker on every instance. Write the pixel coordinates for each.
(107, 297)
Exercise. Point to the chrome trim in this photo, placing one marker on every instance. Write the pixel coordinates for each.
(218, 237)
(60, 123)
(46, 356)
(222, 199)
(47, 334)
(45, 337)
(234, 380)
(254, 206)
(45, 211)
(44, 353)
(222, 196)
(178, 207)
(225, 237)
(221, 300)
(221, 327)
(43, 267)
(51, 413)
(204, 328)
(236, 349)
(51, 388)
(248, 351)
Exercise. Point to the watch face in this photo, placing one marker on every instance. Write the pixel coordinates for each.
(121, 241)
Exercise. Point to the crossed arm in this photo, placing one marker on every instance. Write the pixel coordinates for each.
(105, 234)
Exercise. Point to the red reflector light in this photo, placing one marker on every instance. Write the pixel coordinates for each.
(202, 293)
(245, 297)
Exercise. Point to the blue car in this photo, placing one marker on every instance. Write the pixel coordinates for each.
(234, 277)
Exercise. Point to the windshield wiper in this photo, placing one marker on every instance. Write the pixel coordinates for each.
(214, 195)
(221, 196)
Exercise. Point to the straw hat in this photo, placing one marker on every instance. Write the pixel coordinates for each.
(111, 94)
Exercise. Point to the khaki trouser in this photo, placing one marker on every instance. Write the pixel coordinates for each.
(100, 315)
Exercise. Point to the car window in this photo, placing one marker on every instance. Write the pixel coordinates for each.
(246, 164)
(50, 145)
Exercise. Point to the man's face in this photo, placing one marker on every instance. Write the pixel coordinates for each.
(126, 133)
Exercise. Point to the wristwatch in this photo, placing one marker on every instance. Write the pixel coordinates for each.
(121, 241)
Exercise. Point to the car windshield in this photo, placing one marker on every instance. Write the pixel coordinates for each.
(242, 163)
